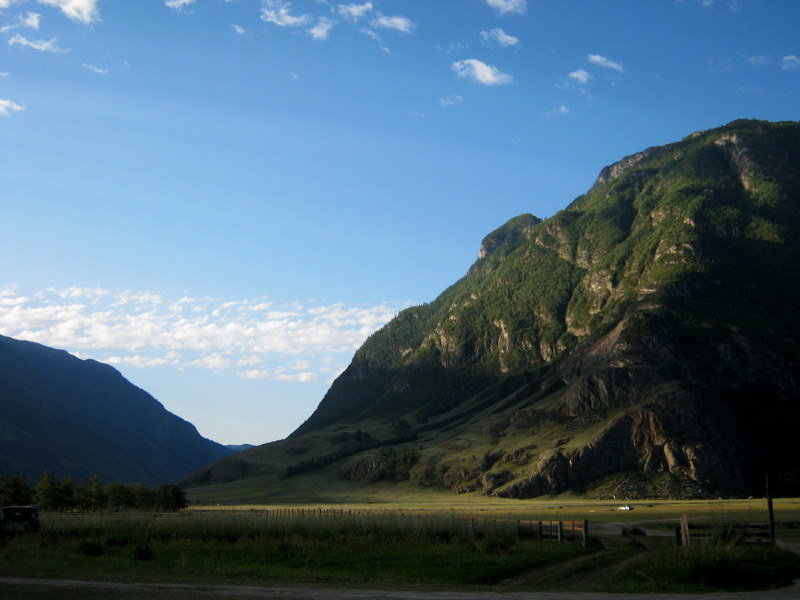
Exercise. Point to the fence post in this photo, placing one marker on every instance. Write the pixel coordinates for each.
(771, 512)
(539, 531)
(687, 540)
(560, 531)
(585, 533)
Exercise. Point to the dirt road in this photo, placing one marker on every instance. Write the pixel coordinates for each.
(29, 589)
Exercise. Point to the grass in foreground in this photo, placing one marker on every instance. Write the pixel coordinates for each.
(399, 548)
(246, 548)
(705, 568)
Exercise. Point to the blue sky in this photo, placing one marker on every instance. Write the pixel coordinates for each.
(223, 198)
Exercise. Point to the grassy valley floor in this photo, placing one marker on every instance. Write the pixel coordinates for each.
(472, 544)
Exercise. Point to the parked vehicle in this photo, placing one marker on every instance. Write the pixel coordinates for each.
(19, 519)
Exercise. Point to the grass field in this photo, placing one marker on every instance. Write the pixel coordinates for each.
(466, 542)
(555, 508)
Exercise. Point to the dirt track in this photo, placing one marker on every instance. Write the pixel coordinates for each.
(28, 589)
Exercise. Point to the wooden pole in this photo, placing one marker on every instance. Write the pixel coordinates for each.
(685, 531)
(771, 512)
(585, 533)
(560, 531)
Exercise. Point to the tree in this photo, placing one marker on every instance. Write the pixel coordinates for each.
(171, 497)
(119, 495)
(18, 492)
(96, 493)
(47, 492)
(66, 494)
(144, 497)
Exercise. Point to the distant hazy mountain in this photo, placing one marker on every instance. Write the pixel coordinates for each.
(643, 341)
(78, 418)
(239, 447)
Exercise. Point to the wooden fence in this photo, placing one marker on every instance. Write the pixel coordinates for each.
(561, 532)
(739, 533)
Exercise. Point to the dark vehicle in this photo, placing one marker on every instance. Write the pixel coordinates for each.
(18, 519)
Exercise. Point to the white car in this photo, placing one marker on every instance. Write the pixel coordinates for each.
(625, 507)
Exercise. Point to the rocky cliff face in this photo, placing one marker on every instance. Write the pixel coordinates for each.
(648, 329)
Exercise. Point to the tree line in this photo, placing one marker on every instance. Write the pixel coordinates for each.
(89, 495)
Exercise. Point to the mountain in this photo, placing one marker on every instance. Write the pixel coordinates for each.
(239, 447)
(641, 342)
(78, 418)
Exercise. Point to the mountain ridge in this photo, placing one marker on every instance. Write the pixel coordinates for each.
(646, 329)
(79, 418)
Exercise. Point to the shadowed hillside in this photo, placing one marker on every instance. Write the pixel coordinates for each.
(78, 418)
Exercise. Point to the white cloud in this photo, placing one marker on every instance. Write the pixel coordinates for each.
(279, 375)
(557, 110)
(279, 13)
(94, 69)
(450, 101)
(31, 20)
(705, 3)
(74, 292)
(602, 61)
(144, 329)
(238, 29)
(8, 3)
(790, 62)
(83, 11)
(135, 361)
(397, 23)
(354, 12)
(500, 37)
(304, 377)
(480, 72)
(254, 374)
(508, 7)
(40, 45)
(6, 108)
(580, 76)
(756, 60)
(452, 48)
(213, 361)
(733, 5)
(321, 30)
(374, 36)
(178, 4)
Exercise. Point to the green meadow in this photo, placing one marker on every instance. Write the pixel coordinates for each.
(466, 543)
